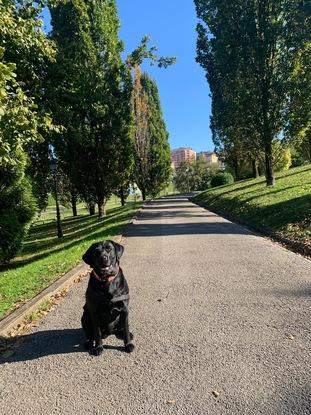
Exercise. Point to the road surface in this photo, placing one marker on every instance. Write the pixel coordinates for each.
(221, 319)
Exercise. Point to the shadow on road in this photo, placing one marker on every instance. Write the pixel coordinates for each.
(178, 207)
(173, 213)
(191, 228)
(302, 292)
(45, 343)
(168, 207)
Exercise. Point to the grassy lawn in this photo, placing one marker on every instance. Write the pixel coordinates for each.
(44, 257)
(50, 212)
(284, 208)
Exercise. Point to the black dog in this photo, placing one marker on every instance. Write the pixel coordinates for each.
(107, 298)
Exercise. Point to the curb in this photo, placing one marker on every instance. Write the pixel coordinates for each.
(16, 317)
(8, 323)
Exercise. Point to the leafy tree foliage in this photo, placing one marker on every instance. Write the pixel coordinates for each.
(91, 98)
(195, 175)
(24, 52)
(184, 178)
(250, 50)
(221, 179)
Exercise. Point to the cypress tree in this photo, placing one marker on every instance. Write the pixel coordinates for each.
(159, 158)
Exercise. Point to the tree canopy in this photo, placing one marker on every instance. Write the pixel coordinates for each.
(250, 50)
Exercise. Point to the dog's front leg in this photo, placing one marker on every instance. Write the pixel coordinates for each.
(127, 336)
(98, 348)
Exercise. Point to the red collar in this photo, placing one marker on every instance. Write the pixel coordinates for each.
(108, 279)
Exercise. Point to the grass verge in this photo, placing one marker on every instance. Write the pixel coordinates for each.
(45, 258)
(284, 210)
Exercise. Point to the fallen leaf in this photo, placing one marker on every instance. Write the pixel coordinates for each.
(171, 402)
(215, 393)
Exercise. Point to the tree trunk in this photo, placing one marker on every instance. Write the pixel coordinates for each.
(92, 210)
(260, 170)
(236, 168)
(122, 197)
(143, 193)
(270, 178)
(74, 204)
(255, 168)
(101, 201)
(264, 70)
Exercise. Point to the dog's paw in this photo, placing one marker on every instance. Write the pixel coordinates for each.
(129, 348)
(88, 344)
(120, 336)
(97, 350)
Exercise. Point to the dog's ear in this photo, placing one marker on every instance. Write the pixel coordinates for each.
(88, 256)
(119, 249)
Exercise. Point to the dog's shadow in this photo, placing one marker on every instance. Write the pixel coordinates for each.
(45, 343)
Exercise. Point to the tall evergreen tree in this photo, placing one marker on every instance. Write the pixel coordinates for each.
(152, 151)
(159, 158)
(141, 134)
(93, 97)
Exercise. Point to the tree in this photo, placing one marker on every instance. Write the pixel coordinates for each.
(142, 138)
(152, 151)
(233, 132)
(159, 158)
(23, 49)
(298, 128)
(281, 156)
(195, 175)
(249, 48)
(185, 179)
(28, 47)
(92, 99)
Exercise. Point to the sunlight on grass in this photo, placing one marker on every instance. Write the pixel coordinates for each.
(284, 208)
(45, 257)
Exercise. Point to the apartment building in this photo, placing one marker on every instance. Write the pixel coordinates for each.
(182, 154)
(209, 156)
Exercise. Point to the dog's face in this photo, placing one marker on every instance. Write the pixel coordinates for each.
(104, 257)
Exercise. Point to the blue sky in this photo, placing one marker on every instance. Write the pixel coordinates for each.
(183, 88)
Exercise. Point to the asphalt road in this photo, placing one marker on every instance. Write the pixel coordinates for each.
(222, 325)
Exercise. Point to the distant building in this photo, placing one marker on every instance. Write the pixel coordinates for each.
(209, 156)
(181, 154)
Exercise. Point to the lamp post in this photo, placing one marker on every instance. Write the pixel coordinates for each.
(53, 168)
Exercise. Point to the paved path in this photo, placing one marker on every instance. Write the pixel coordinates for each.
(213, 308)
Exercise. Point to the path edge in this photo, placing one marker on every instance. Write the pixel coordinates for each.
(288, 244)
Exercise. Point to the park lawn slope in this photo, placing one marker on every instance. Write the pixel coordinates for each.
(45, 258)
(284, 209)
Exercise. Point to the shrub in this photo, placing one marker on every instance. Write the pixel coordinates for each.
(282, 156)
(17, 208)
(221, 179)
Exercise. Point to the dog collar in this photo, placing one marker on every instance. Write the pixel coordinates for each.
(109, 279)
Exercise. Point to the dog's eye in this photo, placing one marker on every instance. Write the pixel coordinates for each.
(108, 249)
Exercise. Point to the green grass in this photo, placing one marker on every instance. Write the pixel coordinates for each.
(284, 208)
(49, 213)
(44, 257)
